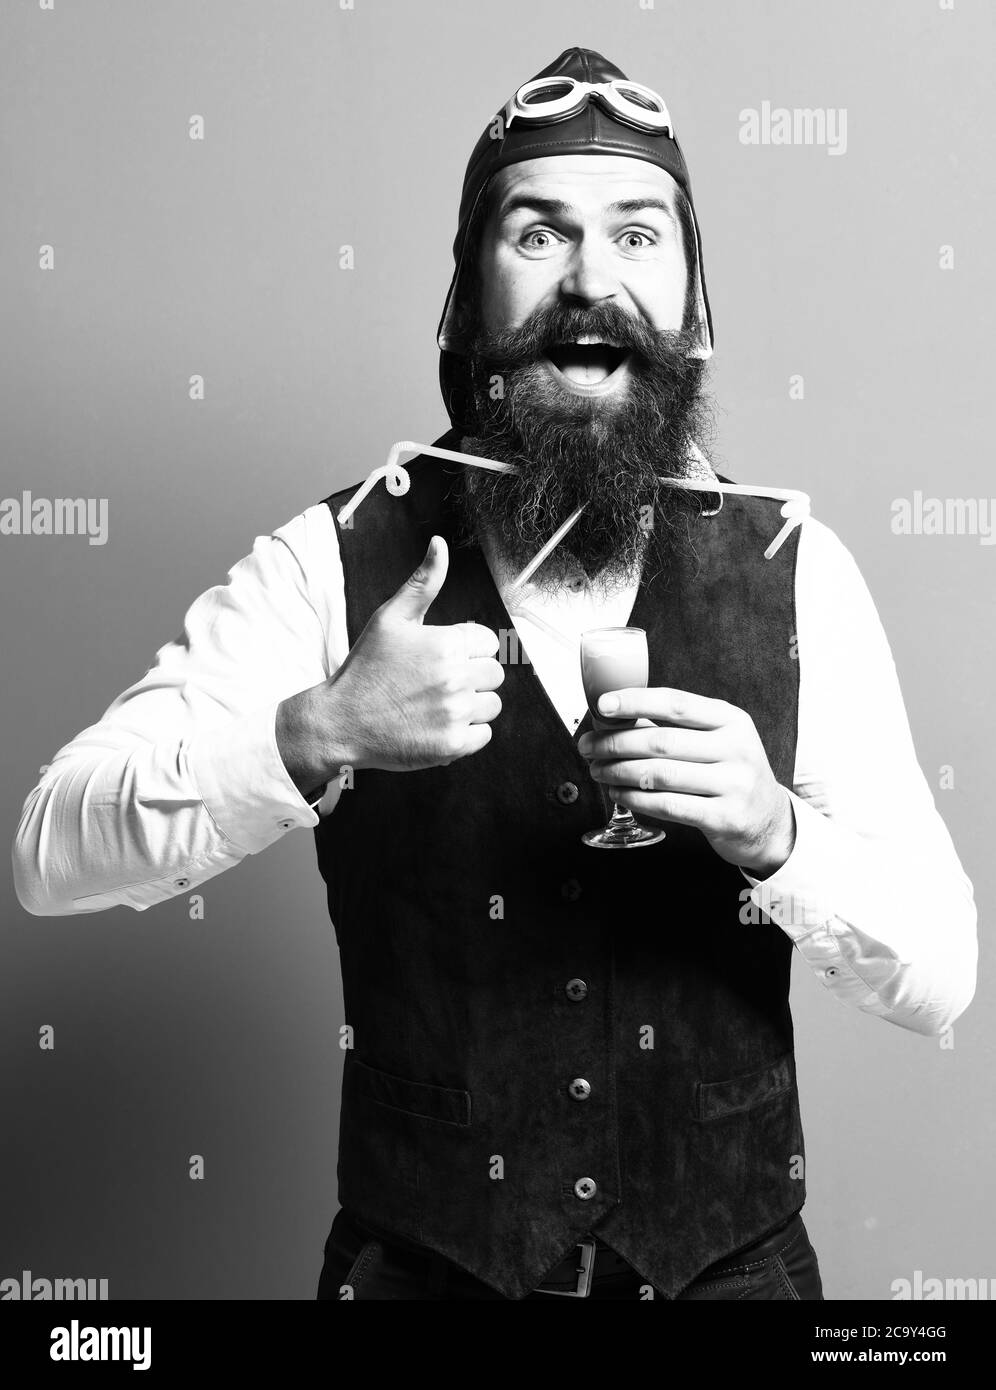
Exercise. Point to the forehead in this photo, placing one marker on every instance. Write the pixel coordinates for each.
(587, 182)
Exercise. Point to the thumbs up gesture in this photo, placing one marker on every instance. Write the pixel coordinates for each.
(408, 696)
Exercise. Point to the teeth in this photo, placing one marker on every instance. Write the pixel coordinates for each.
(588, 340)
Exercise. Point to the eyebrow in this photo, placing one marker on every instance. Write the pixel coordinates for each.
(556, 207)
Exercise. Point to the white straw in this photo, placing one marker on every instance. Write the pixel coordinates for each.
(392, 471)
(796, 503)
(541, 555)
(453, 454)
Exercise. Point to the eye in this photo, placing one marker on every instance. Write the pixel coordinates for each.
(633, 240)
(539, 239)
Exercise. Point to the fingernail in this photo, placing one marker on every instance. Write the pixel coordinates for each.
(608, 703)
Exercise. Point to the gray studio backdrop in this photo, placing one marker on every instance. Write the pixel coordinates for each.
(327, 126)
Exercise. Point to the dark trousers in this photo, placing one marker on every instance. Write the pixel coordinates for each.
(362, 1263)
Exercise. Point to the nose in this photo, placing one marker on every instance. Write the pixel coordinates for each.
(588, 276)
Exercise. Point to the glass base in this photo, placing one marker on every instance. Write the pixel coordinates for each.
(625, 836)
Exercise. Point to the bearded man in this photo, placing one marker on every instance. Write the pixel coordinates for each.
(571, 1073)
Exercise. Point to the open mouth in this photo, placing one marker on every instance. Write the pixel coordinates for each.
(587, 361)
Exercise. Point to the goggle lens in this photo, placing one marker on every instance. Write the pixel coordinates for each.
(548, 92)
(650, 101)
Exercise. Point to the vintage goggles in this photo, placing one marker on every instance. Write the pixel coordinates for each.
(548, 99)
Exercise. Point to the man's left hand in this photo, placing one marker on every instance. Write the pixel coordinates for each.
(701, 763)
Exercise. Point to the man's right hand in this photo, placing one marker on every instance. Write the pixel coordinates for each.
(408, 695)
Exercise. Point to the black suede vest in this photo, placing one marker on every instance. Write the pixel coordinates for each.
(464, 903)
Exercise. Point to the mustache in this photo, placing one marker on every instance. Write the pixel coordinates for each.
(564, 323)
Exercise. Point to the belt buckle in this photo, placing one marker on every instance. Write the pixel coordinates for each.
(587, 1248)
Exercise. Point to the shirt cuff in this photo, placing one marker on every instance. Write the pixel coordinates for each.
(795, 896)
(242, 781)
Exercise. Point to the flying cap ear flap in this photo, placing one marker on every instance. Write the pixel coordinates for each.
(592, 130)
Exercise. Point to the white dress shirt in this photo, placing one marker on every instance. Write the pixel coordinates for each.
(181, 778)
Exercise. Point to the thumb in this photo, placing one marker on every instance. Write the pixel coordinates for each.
(418, 591)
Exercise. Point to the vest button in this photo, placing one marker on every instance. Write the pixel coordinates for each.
(567, 793)
(579, 1089)
(575, 990)
(571, 890)
(585, 1188)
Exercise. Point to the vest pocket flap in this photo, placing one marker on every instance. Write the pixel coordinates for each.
(413, 1097)
(716, 1098)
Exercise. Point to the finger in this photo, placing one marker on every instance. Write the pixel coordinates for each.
(486, 673)
(658, 775)
(487, 706)
(679, 707)
(670, 806)
(653, 741)
(478, 639)
(477, 736)
(417, 592)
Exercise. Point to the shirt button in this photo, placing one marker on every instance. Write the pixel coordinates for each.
(585, 1188)
(579, 1089)
(575, 990)
(831, 972)
(286, 824)
(567, 793)
(181, 883)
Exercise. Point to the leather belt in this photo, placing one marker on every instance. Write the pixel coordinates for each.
(573, 1276)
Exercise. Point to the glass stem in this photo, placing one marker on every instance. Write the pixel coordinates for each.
(621, 816)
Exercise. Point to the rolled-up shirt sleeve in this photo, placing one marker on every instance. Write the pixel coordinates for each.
(181, 777)
(873, 894)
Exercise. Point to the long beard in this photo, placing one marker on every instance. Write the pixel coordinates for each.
(604, 453)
